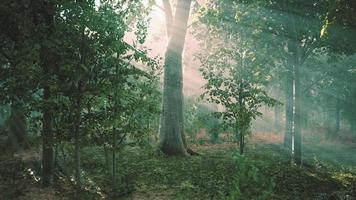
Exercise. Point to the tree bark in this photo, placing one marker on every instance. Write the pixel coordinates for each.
(172, 139)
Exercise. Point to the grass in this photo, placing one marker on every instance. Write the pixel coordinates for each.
(147, 174)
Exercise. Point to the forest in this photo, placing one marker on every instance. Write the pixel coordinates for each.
(178, 99)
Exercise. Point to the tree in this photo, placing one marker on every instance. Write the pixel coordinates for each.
(235, 81)
(62, 55)
(172, 140)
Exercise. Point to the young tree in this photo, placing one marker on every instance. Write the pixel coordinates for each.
(237, 85)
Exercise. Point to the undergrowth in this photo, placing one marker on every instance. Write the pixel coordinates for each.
(264, 172)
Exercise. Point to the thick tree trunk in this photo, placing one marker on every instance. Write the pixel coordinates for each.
(297, 118)
(289, 109)
(172, 139)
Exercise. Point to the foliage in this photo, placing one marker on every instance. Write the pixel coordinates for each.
(237, 87)
(283, 34)
(197, 117)
(250, 182)
(98, 86)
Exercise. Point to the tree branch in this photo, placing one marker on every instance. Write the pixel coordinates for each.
(169, 16)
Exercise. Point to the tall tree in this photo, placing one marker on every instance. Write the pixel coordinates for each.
(172, 139)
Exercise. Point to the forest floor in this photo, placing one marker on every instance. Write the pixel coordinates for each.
(144, 173)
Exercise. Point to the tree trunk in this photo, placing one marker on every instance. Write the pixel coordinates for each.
(297, 118)
(47, 141)
(106, 155)
(241, 142)
(172, 139)
(305, 118)
(277, 118)
(77, 138)
(329, 121)
(289, 109)
(47, 64)
(304, 111)
(114, 163)
(337, 113)
(353, 128)
(352, 107)
(169, 16)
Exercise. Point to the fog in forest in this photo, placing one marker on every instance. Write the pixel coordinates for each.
(178, 99)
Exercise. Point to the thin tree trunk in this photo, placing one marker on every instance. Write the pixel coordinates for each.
(77, 138)
(242, 129)
(305, 118)
(114, 162)
(328, 123)
(352, 107)
(47, 141)
(337, 113)
(47, 63)
(277, 118)
(304, 111)
(241, 142)
(289, 109)
(297, 118)
(172, 139)
(353, 128)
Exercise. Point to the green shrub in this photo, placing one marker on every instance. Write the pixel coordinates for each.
(250, 182)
